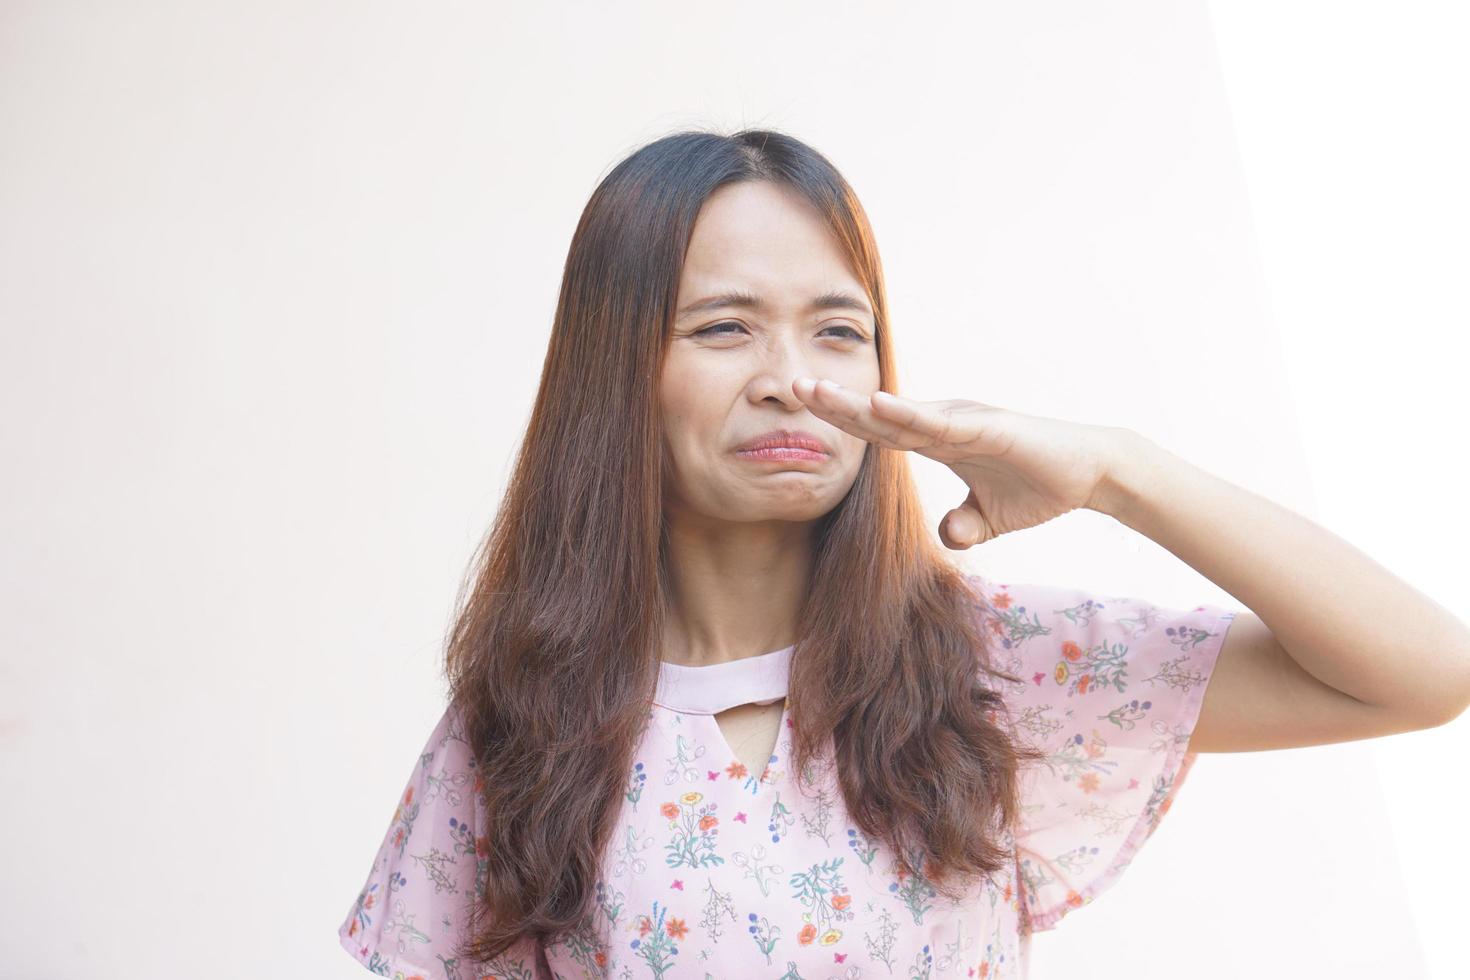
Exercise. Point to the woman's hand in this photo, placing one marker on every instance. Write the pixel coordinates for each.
(1022, 470)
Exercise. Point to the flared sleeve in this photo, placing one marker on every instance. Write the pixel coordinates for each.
(1110, 689)
(413, 909)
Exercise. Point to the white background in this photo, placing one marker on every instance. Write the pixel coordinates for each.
(276, 279)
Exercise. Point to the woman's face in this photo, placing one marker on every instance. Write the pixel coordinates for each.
(727, 377)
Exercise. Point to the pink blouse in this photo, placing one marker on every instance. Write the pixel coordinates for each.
(717, 871)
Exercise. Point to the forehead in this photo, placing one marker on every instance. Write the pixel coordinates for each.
(766, 239)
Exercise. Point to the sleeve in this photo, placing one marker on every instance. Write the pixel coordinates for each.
(411, 911)
(1110, 690)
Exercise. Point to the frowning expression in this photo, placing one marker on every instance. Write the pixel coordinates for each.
(765, 296)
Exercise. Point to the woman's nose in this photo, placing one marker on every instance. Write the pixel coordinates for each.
(782, 363)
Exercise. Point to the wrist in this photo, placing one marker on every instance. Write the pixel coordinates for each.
(1132, 460)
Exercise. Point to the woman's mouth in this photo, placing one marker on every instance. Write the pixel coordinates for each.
(784, 445)
(781, 453)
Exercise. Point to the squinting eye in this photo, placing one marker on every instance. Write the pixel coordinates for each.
(713, 327)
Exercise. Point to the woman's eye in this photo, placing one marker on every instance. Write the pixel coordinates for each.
(714, 329)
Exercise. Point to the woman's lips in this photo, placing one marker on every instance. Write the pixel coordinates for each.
(782, 453)
(784, 444)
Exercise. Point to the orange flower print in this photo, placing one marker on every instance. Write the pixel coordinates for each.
(677, 929)
(985, 969)
(1082, 684)
(840, 902)
(1074, 900)
(482, 847)
(479, 782)
(600, 958)
(707, 821)
(644, 926)
(408, 797)
(807, 934)
(1088, 783)
(1008, 893)
(1071, 651)
(736, 770)
(1001, 600)
(669, 811)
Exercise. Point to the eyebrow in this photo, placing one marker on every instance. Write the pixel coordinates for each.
(834, 299)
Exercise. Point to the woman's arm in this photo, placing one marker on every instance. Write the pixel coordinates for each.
(1338, 647)
(1335, 648)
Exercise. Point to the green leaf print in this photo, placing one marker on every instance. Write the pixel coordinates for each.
(694, 830)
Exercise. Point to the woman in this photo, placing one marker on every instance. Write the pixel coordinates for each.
(719, 706)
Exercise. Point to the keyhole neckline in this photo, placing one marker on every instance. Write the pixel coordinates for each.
(712, 688)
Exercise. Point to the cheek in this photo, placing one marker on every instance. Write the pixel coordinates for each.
(686, 385)
(695, 405)
(691, 435)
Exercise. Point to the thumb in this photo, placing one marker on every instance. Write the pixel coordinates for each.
(963, 526)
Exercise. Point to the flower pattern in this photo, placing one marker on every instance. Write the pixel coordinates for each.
(1111, 690)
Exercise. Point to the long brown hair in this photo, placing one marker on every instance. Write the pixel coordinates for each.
(553, 656)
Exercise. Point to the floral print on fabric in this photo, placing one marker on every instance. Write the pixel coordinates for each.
(1111, 690)
(409, 914)
(717, 871)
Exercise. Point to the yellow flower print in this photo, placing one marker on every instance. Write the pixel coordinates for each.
(830, 936)
(1061, 672)
(691, 797)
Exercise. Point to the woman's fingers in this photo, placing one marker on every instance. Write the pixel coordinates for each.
(963, 526)
(948, 430)
(891, 421)
(845, 409)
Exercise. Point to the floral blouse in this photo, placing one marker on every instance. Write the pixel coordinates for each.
(718, 871)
